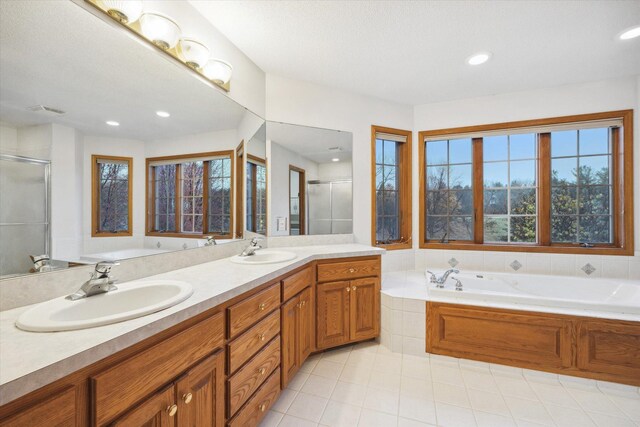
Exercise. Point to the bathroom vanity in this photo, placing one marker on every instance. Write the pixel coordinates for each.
(223, 365)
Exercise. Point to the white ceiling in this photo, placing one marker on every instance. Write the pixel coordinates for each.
(315, 144)
(57, 54)
(414, 52)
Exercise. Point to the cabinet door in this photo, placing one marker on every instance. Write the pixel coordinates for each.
(200, 396)
(289, 334)
(365, 308)
(332, 314)
(156, 411)
(58, 410)
(305, 326)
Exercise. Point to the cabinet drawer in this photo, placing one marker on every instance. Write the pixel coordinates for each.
(246, 345)
(257, 407)
(242, 385)
(120, 387)
(252, 309)
(58, 410)
(347, 270)
(295, 283)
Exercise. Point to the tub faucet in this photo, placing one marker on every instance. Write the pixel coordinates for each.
(458, 283)
(439, 281)
(100, 282)
(211, 241)
(253, 247)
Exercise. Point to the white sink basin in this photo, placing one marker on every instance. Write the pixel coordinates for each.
(130, 300)
(264, 257)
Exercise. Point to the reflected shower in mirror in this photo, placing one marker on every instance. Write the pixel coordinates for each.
(142, 153)
(310, 180)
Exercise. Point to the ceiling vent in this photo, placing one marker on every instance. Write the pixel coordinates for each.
(335, 149)
(45, 109)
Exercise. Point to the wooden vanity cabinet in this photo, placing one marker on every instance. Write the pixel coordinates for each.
(58, 410)
(348, 310)
(296, 334)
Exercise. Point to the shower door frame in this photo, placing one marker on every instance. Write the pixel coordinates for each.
(331, 182)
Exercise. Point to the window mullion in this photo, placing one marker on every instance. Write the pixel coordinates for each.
(544, 189)
(478, 193)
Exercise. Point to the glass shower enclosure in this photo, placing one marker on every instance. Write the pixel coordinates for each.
(24, 212)
(330, 207)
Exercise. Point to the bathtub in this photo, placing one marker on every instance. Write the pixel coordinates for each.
(609, 298)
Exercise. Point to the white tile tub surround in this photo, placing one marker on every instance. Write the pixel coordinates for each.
(614, 267)
(376, 387)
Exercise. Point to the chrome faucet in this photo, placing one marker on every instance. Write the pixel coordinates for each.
(99, 282)
(439, 281)
(458, 283)
(211, 241)
(253, 247)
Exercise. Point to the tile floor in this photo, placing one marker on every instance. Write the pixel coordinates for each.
(367, 385)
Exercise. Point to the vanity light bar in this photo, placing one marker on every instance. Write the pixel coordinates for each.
(164, 34)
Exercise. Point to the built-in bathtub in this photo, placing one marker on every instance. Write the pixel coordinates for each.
(583, 327)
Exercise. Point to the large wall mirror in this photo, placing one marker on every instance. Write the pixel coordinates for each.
(310, 180)
(121, 156)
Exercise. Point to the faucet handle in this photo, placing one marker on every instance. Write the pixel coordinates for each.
(432, 278)
(458, 283)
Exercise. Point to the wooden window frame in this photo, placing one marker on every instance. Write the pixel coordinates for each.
(239, 193)
(302, 196)
(95, 205)
(405, 183)
(261, 162)
(150, 196)
(622, 183)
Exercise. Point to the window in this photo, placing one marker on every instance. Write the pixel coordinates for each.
(111, 196)
(256, 195)
(391, 192)
(449, 190)
(550, 185)
(190, 195)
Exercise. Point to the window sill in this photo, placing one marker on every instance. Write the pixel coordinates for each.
(554, 249)
(394, 246)
(189, 235)
(107, 234)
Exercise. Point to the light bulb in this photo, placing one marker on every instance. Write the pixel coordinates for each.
(192, 52)
(160, 30)
(218, 70)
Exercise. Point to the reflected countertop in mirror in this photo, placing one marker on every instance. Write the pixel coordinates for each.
(125, 155)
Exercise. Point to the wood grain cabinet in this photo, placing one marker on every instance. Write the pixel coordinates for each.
(347, 311)
(194, 399)
(297, 329)
(57, 410)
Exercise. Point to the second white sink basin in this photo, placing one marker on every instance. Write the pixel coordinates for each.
(264, 257)
(130, 300)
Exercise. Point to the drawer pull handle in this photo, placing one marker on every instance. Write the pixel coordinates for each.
(353, 288)
(262, 306)
(261, 337)
(187, 398)
(262, 407)
(348, 289)
(171, 410)
(262, 371)
(352, 270)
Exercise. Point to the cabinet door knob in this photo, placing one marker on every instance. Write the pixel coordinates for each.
(187, 398)
(348, 288)
(262, 371)
(261, 337)
(353, 288)
(262, 407)
(352, 270)
(262, 306)
(171, 410)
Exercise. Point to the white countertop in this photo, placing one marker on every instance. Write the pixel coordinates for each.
(30, 360)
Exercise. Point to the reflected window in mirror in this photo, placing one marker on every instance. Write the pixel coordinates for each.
(190, 195)
(391, 195)
(111, 195)
(256, 195)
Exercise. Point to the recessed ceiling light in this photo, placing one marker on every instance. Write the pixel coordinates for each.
(631, 33)
(162, 114)
(335, 159)
(479, 58)
(112, 123)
